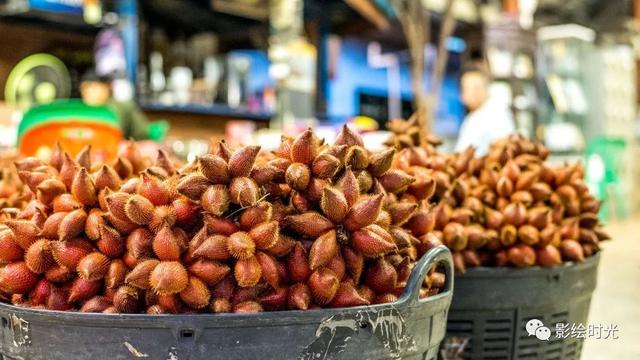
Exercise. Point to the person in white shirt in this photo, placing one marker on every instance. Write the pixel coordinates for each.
(489, 117)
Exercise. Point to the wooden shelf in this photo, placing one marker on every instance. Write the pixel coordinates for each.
(217, 110)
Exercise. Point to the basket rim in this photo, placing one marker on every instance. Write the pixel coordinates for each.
(407, 301)
(267, 318)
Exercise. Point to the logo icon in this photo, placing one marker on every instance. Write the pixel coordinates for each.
(536, 328)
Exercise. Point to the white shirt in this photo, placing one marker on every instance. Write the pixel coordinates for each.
(482, 127)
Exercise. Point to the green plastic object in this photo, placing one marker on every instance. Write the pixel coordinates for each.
(22, 79)
(158, 130)
(604, 166)
(64, 111)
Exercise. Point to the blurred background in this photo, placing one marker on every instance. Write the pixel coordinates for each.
(181, 73)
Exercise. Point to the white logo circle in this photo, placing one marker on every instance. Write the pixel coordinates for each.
(533, 325)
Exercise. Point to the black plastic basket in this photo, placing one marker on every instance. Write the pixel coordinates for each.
(491, 307)
(410, 328)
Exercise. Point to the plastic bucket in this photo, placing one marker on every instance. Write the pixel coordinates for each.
(492, 306)
(410, 328)
(74, 125)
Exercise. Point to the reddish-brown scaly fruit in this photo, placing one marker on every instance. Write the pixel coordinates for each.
(65, 203)
(282, 247)
(218, 225)
(311, 224)
(247, 272)
(96, 304)
(169, 277)
(72, 224)
(508, 235)
(214, 168)
(323, 285)
(247, 307)
(471, 258)
(261, 213)
(298, 264)
(548, 256)
(241, 245)
(139, 276)
(139, 243)
(93, 266)
(215, 199)
(395, 181)
(139, 210)
(41, 292)
(522, 197)
(59, 274)
(116, 274)
(211, 272)
(242, 160)
(38, 257)
(304, 148)
(193, 186)
(16, 278)
(170, 303)
(275, 299)
(92, 225)
(386, 299)
(325, 166)
(324, 248)
(196, 295)
(364, 212)
(372, 241)
(58, 299)
(220, 306)
(69, 253)
(49, 189)
(522, 255)
(107, 177)
(162, 216)
(571, 250)
(25, 232)
(10, 250)
(166, 245)
(476, 236)
(213, 248)
(515, 214)
(153, 189)
(83, 188)
(265, 235)
(298, 176)
(347, 296)
(126, 299)
(186, 211)
(401, 212)
(455, 236)
(68, 170)
(354, 263)
(382, 276)
(110, 243)
(83, 289)
(269, 267)
(334, 204)
(338, 266)
(244, 191)
(528, 235)
(299, 297)
(421, 222)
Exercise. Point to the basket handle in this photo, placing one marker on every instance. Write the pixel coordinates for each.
(437, 255)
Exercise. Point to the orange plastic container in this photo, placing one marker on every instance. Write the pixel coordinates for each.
(72, 123)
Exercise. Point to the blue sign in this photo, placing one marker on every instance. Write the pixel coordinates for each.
(59, 6)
